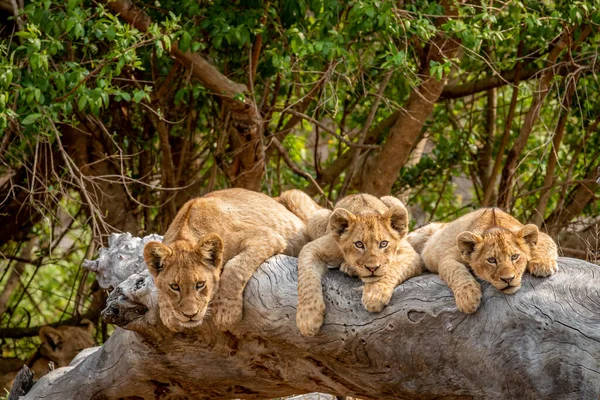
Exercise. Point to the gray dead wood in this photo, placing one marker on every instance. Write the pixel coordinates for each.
(541, 343)
(22, 384)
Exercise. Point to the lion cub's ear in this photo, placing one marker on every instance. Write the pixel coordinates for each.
(154, 255)
(210, 248)
(466, 242)
(530, 233)
(398, 217)
(52, 337)
(340, 220)
(87, 324)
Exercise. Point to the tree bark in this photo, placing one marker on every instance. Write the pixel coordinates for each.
(542, 342)
(382, 171)
(484, 156)
(14, 278)
(112, 205)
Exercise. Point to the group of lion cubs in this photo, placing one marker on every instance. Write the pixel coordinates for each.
(216, 242)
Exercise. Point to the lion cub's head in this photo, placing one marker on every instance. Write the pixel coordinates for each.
(369, 242)
(499, 255)
(62, 344)
(186, 277)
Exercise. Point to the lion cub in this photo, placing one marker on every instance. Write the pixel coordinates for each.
(210, 251)
(496, 247)
(366, 237)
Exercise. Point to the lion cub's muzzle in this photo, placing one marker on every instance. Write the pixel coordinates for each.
(510, 289)
(191, 319)
(508, 284)
(371, 273)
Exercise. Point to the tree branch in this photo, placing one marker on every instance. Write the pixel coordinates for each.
(456, 91)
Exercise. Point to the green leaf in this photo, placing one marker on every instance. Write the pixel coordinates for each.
(70, 23)
(138, 95)
(82, 102)
(184, 43)
(111, 32)
(30, 119)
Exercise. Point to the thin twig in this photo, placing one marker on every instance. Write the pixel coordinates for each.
(288, 160)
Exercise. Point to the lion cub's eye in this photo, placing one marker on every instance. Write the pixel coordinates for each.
(515, 257)
(174, 286)
(200, 285)
(383, 244)
(359, 245)
(491, 260)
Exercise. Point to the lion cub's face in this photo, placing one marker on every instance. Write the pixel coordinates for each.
(186, 277)
(499, 255)
(369, 243)
(62, 344)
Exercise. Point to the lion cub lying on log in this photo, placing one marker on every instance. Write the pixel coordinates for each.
(366, 237)
(212, 248)
(58, 345)
(496, 247)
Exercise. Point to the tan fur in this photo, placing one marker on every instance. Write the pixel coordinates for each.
(357, 218)
(210, 251)
(420, 236)
(496, 247)
(59, 346)
(299, 203)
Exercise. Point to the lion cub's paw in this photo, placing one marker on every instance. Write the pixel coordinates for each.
(542, 268)
(309, 319)
(468, 297)
(228, 314)
(345, 268)
(374, 299)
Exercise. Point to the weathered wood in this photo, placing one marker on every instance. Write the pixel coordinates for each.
(23, 383)
(542, 342)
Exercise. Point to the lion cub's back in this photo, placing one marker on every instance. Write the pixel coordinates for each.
(241, 209)
(249, 207)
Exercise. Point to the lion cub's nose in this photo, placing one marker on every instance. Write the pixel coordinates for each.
(507, 279)
(373, 268)
(191, 315)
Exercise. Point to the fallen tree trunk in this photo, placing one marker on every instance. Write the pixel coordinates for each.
(542, 342)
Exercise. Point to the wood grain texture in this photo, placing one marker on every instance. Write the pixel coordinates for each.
(541, 343)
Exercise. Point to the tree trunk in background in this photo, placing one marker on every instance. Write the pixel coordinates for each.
(14, 279)
(541, 342)
(380, 173)
(18, 213)
(110, 197)
(484, 159)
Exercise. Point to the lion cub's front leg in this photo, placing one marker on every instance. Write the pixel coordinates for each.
(543, 257)
(259, 245)
(377, 295)
(467, 292)
(312, 265)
